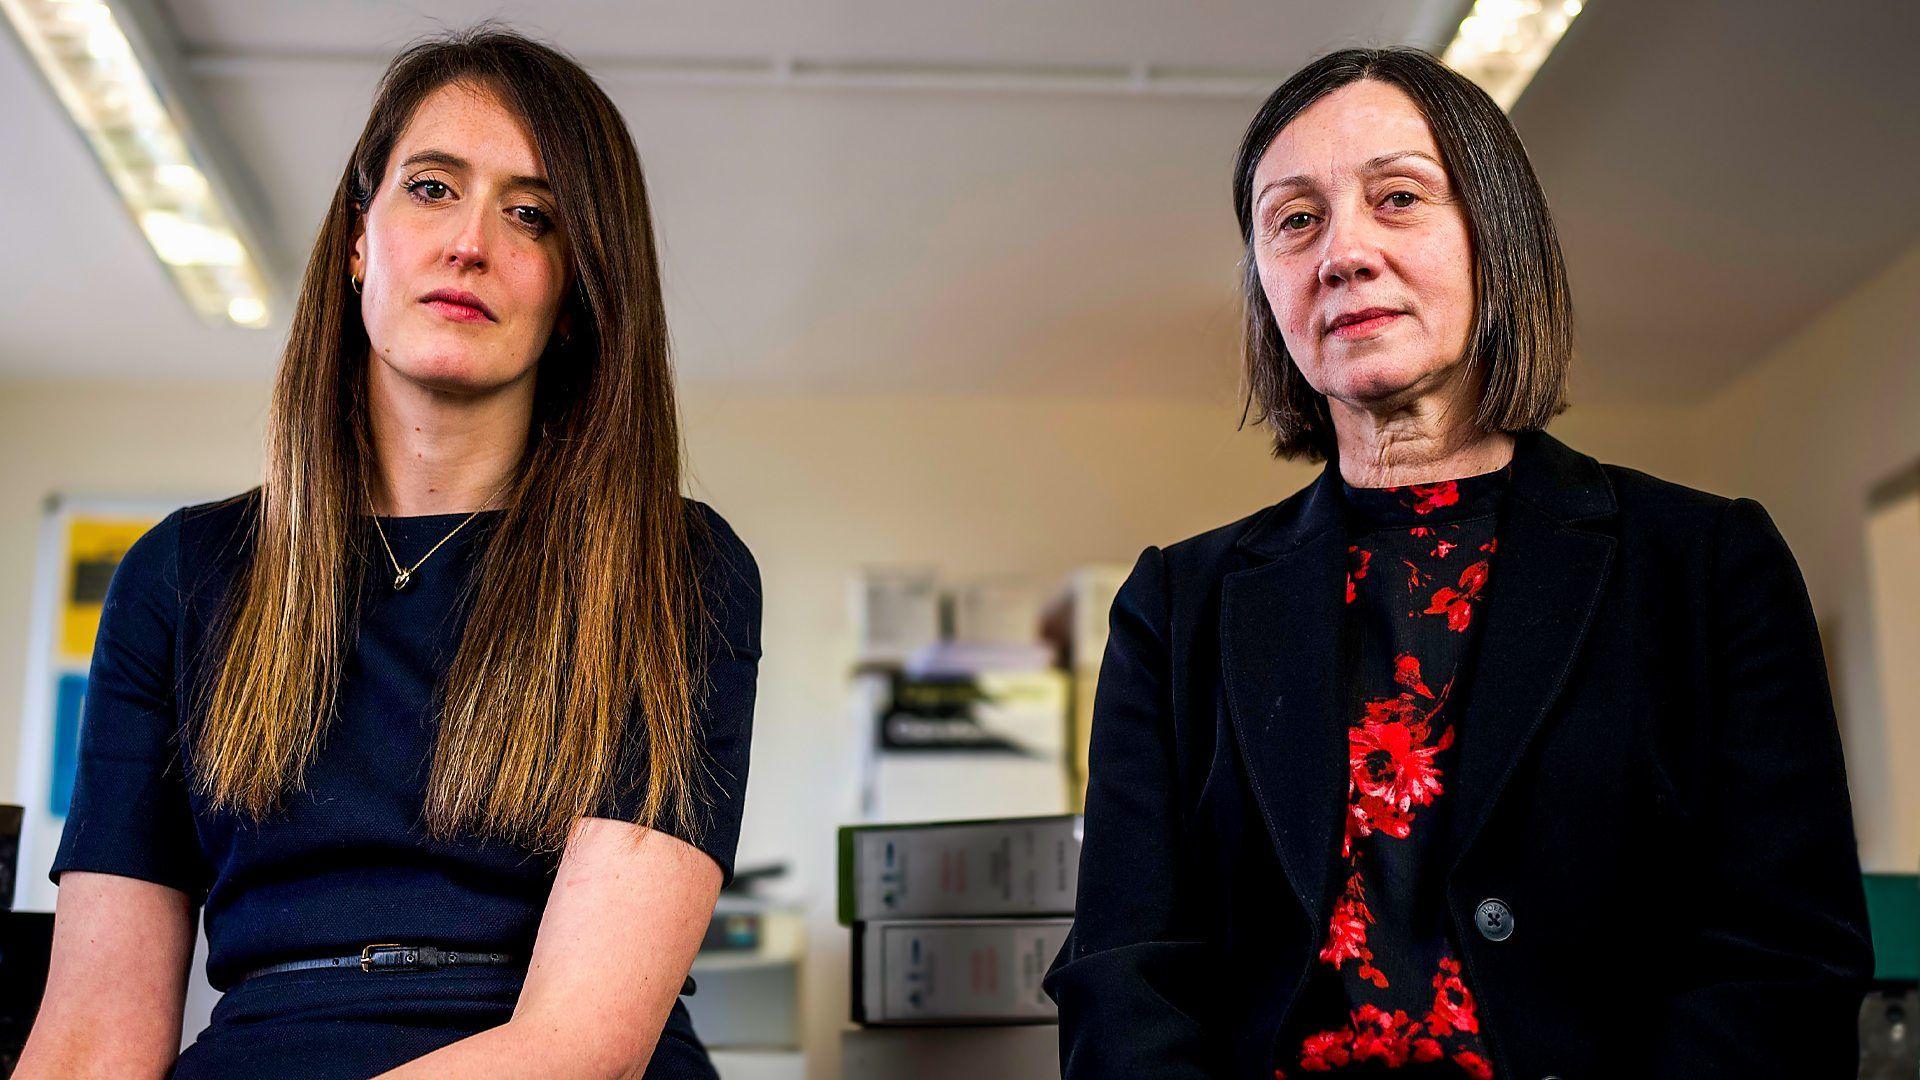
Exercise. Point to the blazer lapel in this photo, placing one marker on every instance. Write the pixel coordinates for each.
(1280, 648)
(1280, 625)
(1543, 587)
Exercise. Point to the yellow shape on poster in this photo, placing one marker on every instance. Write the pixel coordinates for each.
(95, 546)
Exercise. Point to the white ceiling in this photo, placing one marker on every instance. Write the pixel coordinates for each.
(1720, 173)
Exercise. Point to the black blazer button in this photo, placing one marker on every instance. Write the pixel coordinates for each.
(1494, 919)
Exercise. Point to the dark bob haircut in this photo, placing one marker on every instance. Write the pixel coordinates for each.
(1521, 339)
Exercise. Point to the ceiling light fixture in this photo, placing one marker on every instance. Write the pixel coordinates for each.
(1503, 42)
(102, 70)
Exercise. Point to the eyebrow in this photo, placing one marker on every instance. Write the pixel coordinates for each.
(1373, 165)
(460, 164)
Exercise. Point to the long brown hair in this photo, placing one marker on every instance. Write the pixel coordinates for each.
(582, 644)
(1521, 341)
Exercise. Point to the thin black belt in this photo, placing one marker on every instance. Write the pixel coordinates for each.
(392, 958)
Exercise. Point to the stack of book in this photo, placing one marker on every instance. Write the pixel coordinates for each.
(957, 922)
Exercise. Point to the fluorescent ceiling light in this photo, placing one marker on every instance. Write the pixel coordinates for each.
(137, 132)
(1503, 42)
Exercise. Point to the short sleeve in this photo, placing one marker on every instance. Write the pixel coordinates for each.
(728, 639)
(129, 813)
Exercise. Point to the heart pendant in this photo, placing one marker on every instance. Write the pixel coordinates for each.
(400, 581)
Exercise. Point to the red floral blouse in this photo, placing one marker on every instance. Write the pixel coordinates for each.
(1388, 994)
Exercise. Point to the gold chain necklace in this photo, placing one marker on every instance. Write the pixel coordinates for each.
(404, 574)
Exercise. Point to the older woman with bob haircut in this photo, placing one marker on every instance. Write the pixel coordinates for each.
(1475, 757)
(445, 725)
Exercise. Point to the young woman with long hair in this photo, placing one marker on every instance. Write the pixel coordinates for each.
(445, 725)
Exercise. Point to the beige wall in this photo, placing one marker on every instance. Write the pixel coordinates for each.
(1809, 432)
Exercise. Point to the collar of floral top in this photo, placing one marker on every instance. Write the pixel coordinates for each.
(1428, 504)
(1549, 477)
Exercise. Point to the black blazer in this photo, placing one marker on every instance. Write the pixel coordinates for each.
(1648, 775)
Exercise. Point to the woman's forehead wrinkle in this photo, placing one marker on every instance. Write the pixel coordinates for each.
(1321, 149)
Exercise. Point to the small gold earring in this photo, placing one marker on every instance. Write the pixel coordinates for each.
(356, 284)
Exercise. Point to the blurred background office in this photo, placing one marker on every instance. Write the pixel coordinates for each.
(953, 294)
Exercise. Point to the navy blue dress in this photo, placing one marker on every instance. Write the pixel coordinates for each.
(346, 862)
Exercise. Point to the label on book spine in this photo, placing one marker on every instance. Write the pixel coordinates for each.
(965, 971)
(1015, 867)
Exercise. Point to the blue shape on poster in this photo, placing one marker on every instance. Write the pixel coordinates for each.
(69, 696)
